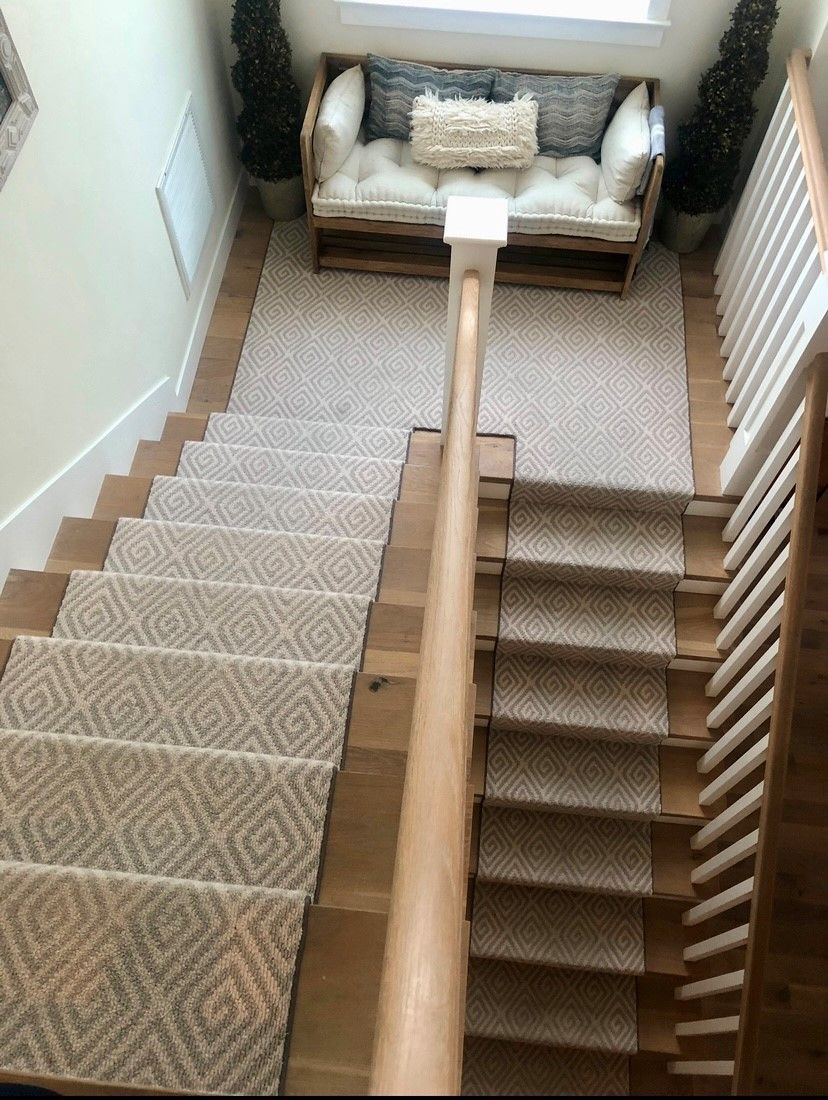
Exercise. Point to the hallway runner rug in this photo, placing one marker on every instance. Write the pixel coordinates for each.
(594, 391)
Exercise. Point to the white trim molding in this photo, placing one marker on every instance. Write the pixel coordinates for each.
(620, 22)
(27, 534)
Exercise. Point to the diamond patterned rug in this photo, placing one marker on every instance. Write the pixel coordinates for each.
(175, 984)
(183, 723)
(181, 730)
(594, 391)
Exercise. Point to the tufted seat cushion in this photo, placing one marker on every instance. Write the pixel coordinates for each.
(380, 181)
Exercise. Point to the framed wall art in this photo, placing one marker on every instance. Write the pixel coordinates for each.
(17, 103)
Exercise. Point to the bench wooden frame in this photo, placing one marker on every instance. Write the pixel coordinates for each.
(360, 244)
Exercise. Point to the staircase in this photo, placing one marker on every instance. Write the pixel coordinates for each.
(579, 804)
(170, 753)
(207, 706)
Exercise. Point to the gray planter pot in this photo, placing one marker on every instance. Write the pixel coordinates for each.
(284, 199)
(684, 232)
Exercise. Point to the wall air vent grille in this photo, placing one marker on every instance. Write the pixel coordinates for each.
(186, 198)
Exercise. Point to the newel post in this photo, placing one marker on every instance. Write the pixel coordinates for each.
(475, 230)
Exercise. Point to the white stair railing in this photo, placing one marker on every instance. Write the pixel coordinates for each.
(772, 281)
(769, 527)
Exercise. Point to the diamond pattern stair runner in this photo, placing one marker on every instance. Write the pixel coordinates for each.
(240, 555)
(169, 756)
(269, 508)
(291, 469)
(175, 697)
(173, 983)
(495, 1068)
(336, 369)
(595, 393)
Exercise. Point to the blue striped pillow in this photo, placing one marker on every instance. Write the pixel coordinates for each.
(394, 84)
(572, 110)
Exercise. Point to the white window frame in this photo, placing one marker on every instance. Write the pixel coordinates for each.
(620, 22)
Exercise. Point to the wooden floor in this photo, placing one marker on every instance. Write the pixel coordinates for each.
(710, 435)
(338, 980)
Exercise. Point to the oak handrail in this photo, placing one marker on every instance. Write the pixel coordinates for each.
(780, 726)
(813, 155)
(418, 1039)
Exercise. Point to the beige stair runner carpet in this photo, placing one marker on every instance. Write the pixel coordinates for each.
(169, 755)
(234, 647)
(594, 391)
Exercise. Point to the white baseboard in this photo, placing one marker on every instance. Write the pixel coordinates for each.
(27, 535)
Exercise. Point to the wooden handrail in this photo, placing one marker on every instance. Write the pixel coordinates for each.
(776, 767)
(813, 155)
(418, 1039)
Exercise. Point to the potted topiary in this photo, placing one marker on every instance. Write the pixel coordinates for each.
(699, 180)
(270, 118)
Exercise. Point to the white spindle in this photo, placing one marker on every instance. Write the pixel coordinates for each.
(699, 1068)
(753, 603)
(776, 220)
(756, 561)
(716, 945)
(744, 688)
(753, 341)
(755, 318)
(766, 475)
(781, 347)
(743, 807)
(740, 769)
(772, 502)
(719, 1025)
(749, 646)
(749, 722)
(719, 903)
(746, 207)
(711, 987)
(728, 857)
(740, 233)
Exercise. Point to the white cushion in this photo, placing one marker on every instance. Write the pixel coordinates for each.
(380, 181)
(472, 133)
(625, 150)
(338, 121)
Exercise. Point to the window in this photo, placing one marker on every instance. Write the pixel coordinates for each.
(622, 22)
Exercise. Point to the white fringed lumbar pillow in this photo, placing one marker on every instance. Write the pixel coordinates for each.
(473, 133)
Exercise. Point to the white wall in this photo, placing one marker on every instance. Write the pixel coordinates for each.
(95, 327)
(689, 46)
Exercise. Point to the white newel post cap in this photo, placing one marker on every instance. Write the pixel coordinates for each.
(476, 221)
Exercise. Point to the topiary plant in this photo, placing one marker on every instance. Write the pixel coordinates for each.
(271, 117)
(700, 179)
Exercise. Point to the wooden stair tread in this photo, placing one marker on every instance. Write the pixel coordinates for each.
(688, 706)
(30, 601)
(80, 544)
(664, 937)
(673, 860)
(405, 580)
(696, 628)
(122, 495)
(413, 526)
(681, 784)
(704, 548)
(182, 427)
(361, 841)
(335, 1005)
(496, 453)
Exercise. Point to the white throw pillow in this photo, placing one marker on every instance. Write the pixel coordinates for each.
(473, 133)
(625, 150)
(338, 122)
